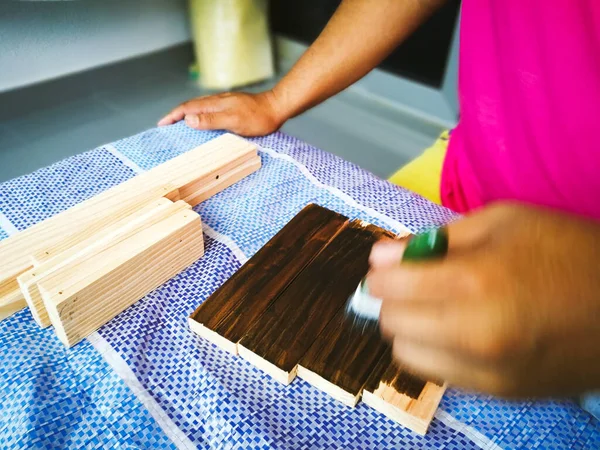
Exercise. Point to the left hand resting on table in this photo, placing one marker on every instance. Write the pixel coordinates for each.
(512, 310)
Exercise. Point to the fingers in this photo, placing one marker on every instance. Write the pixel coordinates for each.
(386, 253)
(200, 105)
(463, 234)
(427, 324)
(481, 227)
(174, 116)
(452, 326)
(417, 282)
(213, 121)
(439, 364)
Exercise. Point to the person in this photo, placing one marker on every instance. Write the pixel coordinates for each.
(514, 308)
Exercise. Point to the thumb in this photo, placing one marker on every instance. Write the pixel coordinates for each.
(386, 253)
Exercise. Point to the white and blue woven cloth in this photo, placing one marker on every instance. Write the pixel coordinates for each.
(145, 381)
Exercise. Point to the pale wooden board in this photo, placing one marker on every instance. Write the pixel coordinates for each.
(148, 215)
(215, 176)
(11, 303)
(227, 179)
(62, 231)
(100, 221)
(415, 414)
(189, 172)
(83, 295)
(212, 336)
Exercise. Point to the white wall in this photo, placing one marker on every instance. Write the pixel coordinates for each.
(44, 40)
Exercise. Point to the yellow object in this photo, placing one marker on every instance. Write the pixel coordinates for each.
(231, 41)
(423, 174)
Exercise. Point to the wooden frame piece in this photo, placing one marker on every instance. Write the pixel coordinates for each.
(231, 310)
(344, 355)
(191, 176)
(149, 214)
(49, 237)
(223, 181)
(402, 396)
(87, 292)
(11, 302)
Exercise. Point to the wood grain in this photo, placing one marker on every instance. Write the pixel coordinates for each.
(403, 396)
(342, 359)
(230, 311)
(148, 215)
(85, 294)
(343, 356)
(401, 379)
(222, 180)
(194, 175)
(290, 325)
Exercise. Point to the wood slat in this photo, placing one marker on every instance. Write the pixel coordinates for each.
(192, 175)
(97, 221)
(343, 356)
(342, 359)
(85, 294)
(231, 310)
(21, 252)
(223, 181)
(148, 215)
(402, 396)
(291, 324)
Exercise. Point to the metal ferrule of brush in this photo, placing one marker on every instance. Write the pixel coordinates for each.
(363, 308)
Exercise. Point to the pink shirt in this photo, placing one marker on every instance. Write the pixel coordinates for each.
(529, 88)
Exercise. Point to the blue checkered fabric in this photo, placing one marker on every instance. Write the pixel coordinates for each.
(82, 398)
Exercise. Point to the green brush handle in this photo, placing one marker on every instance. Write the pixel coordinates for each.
(431, 244)
(365, 309)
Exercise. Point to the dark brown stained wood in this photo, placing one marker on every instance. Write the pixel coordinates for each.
(391, 373)
(293, 321)
(241, 300)
(343, 354)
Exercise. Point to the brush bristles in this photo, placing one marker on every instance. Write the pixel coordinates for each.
(362, 309)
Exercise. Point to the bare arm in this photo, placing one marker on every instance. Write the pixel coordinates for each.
(358, 37)
(360, 34)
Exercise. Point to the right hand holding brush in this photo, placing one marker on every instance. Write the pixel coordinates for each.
(512, 310)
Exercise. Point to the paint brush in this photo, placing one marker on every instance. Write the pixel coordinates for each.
(363, 309)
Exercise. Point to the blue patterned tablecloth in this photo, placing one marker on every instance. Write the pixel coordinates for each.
(145, 381)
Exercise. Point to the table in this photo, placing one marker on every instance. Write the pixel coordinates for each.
(145, 381)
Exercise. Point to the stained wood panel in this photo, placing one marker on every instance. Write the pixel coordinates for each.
(344, 355)
(286, 306)
(342, 359)
(229, 312)
(290, 325)
(403, 396)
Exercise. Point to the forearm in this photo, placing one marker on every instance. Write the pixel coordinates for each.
(359, 36)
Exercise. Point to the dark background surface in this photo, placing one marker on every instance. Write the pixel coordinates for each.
(421, 58)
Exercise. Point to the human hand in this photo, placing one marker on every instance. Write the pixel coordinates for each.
(240, 113)
(512, 310)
